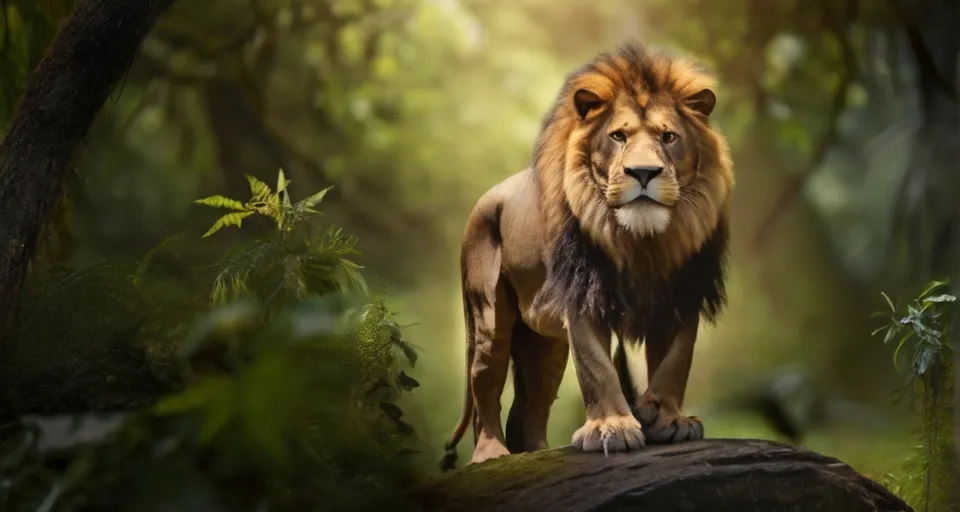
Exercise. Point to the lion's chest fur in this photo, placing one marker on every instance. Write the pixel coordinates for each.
(582, 281)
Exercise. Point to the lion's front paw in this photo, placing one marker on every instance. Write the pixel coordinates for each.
(610, 434)
(665, 424)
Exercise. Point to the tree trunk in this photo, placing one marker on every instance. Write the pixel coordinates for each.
(93, 50)
(717, 475)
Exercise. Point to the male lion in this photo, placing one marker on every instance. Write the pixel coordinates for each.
(619, 226)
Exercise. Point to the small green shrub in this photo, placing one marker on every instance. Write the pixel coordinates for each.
(922, 332)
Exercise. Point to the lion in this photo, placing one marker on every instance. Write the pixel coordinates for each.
(618, 227)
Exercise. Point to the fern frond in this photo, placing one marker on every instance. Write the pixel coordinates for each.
(260, 190)
(219, 201)
(230, 219)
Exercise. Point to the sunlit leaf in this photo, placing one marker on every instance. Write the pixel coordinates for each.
(259, 189)
(230, 219)
(315, 199)
(218, 201)
(282, 181)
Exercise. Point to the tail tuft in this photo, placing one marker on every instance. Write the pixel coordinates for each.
(449, 462)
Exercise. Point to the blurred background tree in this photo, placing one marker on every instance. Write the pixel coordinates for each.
(842, 116)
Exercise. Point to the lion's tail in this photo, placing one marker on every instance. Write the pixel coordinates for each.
(466, 417)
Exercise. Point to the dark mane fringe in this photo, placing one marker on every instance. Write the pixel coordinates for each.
(582, 282)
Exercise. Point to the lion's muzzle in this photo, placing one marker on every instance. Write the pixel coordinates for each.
(643, 173)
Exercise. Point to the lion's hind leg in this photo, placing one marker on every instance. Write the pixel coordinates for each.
(490, 309)
(538, 363)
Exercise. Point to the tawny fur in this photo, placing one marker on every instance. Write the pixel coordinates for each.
(569, 247)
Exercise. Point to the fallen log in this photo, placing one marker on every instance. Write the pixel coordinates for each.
(734, 475)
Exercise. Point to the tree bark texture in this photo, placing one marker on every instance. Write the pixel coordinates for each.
(93, 50)
(716, 474)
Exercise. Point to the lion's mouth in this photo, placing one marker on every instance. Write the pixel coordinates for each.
(645, 199)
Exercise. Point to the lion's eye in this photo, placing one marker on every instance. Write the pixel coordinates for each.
(618, 136)
(668, 137)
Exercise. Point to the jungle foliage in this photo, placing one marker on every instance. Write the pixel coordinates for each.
(276, 379)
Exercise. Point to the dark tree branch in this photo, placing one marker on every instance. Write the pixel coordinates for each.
(83, 64)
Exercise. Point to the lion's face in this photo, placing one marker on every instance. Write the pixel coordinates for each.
(640, 154)
(628, 151)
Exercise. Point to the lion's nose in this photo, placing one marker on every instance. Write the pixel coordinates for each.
(643, 173)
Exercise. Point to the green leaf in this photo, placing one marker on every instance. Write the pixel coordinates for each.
(941, 298)
(222, 202)
(259, 189)
(282, 182)
(896, 353)
(931, 287)
(889, 302)
(315, 199)
(230, 219)
(891, 332)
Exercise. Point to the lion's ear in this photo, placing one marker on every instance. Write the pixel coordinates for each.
(702, 101)
(585, 100)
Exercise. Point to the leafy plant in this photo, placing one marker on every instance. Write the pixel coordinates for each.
(297, 261)
(281, 396)
(275, 205)
(924, 330)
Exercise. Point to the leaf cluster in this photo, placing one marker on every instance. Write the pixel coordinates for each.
(296, 261)
(924, 329)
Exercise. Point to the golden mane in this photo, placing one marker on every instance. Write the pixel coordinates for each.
(642, 268)
(565, 190)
